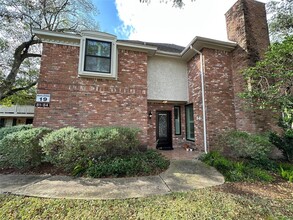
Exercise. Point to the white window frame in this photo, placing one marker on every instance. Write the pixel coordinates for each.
(113, 67)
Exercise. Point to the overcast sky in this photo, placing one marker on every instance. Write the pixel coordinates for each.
(160, 22)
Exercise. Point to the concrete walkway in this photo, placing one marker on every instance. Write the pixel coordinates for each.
(182, 175)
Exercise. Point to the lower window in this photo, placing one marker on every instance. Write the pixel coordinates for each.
(189, 122)
(177, 120)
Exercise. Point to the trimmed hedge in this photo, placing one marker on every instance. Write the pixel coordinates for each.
(8, 130)
(242, 144)
(68, 147)
(21, 149)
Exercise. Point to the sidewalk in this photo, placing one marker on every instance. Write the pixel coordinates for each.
(182, 175)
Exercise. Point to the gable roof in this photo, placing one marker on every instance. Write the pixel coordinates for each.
(172, 48)
(162, 49)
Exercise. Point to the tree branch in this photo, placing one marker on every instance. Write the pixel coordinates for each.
(13, 91)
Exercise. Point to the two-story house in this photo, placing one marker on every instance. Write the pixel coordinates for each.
(174, 94)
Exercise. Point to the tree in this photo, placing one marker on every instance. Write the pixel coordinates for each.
(20, 49)
(270, 82)
(281, 21)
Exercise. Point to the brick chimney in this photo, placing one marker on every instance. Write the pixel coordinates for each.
(247, 25)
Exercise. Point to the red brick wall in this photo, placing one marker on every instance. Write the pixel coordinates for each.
(218, 93)
(220, 112)
(88, 102)
(247, 25)
(195, 97)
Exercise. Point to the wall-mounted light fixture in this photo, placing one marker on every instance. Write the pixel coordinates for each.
(150, 114)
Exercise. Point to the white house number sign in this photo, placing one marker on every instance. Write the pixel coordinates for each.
(43, 100)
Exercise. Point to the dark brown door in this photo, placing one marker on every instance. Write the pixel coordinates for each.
(164, 130)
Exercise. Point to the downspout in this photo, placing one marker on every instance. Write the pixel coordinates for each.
(203, 98)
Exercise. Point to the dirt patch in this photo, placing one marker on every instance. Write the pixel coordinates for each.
(277, 190)
(44, 168)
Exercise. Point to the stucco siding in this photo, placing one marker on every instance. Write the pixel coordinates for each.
(167, 79)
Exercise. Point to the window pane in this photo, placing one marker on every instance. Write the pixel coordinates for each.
(97, 64)
(189, 122)
(177, 120)
(163, 125)
(98, 48)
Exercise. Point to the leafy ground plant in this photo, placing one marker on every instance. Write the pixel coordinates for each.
(236, 170)
(135, 164)
(286, 171)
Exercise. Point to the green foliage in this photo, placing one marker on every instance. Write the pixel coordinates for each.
(269, 83)
(236, 171)
(135, 164)
(21, 149)
(8, 130)
(284, 143)
(20, 49)
(116, 140)
(287, 174)
(242, 144)
(281, 18)
(69, 147)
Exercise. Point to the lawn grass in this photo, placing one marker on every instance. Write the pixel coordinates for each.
(206, 203)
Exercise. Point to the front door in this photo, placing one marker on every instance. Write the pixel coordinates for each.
(164, 130)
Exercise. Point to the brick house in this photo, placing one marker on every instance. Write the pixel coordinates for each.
(174, 94)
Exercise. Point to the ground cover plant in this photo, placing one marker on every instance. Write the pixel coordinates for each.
(138, 163)
(248, 170)
(237, 170)
(209, 203)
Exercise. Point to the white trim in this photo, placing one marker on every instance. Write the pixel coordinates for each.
(16, 115)
(138, 46)
(83, 73)
(61, 42)
(202, 98)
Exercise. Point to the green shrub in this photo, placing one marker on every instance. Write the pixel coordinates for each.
(284, 143)
(22, 149)
(8, 130)
(69, 147)
(218, 161)
(258, 174)
(242, 144)
(266, 164)
(116, 140)
(234, 170)
(137, 163)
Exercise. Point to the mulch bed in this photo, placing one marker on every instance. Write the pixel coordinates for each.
(279, 189)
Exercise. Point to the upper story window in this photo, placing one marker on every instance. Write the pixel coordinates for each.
(98, 57)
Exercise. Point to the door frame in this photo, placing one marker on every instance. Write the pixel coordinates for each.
(169, 130)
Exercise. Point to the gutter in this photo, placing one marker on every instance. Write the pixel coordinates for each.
(203, 98)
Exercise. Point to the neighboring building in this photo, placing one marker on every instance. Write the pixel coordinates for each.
(96, 80)
(16, 115)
